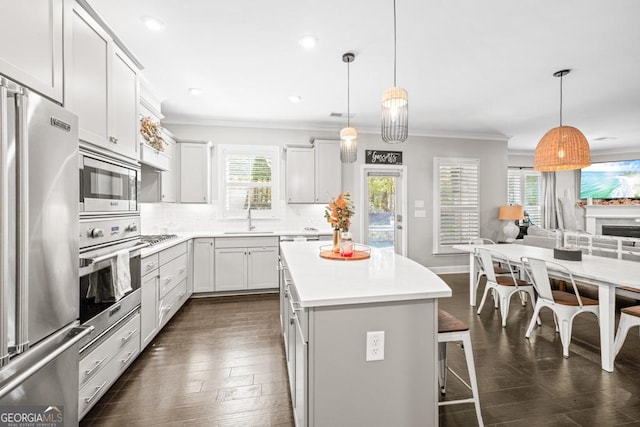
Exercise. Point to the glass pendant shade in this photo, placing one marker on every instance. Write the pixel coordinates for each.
(348, 145)
(562, 148)
(395, 115)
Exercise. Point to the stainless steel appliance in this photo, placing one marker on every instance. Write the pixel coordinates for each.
(39, 333)
(156, 239)
(101, 238)
(107, 184)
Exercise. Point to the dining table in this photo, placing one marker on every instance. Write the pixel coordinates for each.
(605, 273)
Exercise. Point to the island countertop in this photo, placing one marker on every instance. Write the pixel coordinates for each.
(384, 277)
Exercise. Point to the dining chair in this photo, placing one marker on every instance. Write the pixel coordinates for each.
(505, 286)
(565, 305)
(451, 329)
(497, 268)
(629, 317)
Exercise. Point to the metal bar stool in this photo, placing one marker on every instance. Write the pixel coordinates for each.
(452, 329)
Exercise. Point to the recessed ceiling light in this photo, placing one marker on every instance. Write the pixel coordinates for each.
(195, 91)
(295, 99)
(154, 24)
(308, 42)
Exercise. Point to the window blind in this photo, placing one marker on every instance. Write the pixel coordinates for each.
(524, 187)
(457, 202)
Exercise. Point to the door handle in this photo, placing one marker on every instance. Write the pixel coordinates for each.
(399, 227)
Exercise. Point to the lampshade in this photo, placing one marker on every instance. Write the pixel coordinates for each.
(395, 115)
(562, 148)
(348, 135)
(511, 212)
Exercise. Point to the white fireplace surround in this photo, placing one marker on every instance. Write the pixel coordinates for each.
(597, 215)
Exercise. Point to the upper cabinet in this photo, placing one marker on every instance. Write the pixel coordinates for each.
(104, 88)
(314, 174)
(31, 44)
(195, 171)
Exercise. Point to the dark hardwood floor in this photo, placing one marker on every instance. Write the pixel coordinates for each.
(220, 362)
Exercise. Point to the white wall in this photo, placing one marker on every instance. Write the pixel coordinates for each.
(418, 154)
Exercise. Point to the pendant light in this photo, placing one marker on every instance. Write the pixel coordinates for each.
(563, 147)
(348, 135)
(395, 104)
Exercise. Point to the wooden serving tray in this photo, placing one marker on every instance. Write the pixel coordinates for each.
(357, 255)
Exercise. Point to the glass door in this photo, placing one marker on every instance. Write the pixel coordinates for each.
(384, 221)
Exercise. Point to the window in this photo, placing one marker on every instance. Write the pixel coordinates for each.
(248, 178)
(456, 202)
(524, 187)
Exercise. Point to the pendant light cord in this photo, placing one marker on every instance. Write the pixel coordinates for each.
(394, 44)
(561, 75)
(348, 95)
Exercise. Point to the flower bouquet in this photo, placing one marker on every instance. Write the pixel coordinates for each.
(338, 213)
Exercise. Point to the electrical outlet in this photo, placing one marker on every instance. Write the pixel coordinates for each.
(375, 346)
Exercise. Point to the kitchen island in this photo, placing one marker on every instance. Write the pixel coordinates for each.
(328, 310)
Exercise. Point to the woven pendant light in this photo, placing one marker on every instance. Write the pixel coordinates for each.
(348, 135)
(563, 147)
(395, 104)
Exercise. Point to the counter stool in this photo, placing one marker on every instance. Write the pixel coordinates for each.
(452, 329)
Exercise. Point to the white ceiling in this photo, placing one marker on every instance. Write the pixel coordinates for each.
(472, 68)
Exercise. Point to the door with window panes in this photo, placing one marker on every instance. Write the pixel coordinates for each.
(525, 188)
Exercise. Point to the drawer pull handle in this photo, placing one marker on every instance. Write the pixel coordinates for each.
(182, 270)
(128, 337)
(181, 295)
(90, 372)
(126, 359)
(168, 279)
(152, 265)
(95, 393)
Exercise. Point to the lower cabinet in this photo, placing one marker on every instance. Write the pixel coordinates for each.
(203, 265)
(149, 307)
(246, 263)
(101, 365)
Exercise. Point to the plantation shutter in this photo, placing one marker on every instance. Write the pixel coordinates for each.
(457, 204)
(525, 188)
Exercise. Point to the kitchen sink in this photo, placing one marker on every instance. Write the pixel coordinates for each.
(248, 232)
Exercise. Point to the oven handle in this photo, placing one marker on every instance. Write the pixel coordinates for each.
(113, 254)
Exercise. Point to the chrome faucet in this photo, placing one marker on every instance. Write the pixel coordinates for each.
(250, 227)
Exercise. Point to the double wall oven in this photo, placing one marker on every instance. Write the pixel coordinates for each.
(109, 223)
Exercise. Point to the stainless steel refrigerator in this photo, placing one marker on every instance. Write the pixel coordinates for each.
(38, 258)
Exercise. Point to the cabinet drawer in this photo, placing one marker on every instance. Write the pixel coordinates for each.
(97, 386)
(246, 242)
(149, 264)
(172, 273)
(97, 359)
(171, 303)
(173, 252)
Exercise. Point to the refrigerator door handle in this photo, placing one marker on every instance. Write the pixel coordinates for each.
(4, 222)
(79, 332)
(22, 277)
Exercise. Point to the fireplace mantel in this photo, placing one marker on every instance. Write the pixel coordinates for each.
(595, 215)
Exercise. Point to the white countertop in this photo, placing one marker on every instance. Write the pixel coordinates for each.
(385, 277)
(182, 237)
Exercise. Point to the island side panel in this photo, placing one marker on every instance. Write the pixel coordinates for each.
(344, 389)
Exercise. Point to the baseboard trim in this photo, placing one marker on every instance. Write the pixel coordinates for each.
(450, 269)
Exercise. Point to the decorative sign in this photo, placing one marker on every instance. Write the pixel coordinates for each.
(375, 157)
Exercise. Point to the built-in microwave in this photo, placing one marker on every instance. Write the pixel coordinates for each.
(107, 185)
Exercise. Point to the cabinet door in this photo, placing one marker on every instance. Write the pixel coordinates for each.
(300, 175)
(91, 59)
(190, 268)
(232, 272)
(31, 39)
(262, 268)
(123, 111)
(149, 308)
(328, 179)
(168, 178)
(300, 401)
(194, 173)
(203, 265)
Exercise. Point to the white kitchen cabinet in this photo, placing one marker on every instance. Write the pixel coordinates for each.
(314, 174)
(203, 265)
(168, 178)
(246, 263)
(32, 38)
(195, 173)
(159, 185)
(104, 84)
(149, 307)
(189, 268)
(300, 175)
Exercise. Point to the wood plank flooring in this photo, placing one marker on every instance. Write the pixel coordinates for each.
(220, 362)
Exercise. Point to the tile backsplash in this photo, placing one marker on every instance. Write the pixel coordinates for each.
(159, 218)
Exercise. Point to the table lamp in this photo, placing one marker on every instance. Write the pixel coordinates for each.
(509, 214)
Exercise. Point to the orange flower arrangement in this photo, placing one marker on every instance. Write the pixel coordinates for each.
(339, 212)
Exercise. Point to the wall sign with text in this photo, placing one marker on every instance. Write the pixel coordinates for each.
(376, 157)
